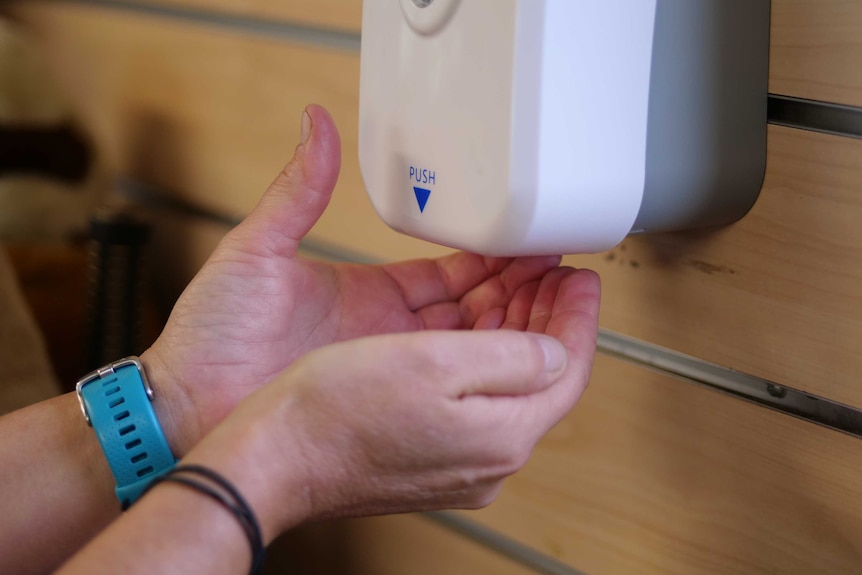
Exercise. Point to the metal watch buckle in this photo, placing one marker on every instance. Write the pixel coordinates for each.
(106, 371)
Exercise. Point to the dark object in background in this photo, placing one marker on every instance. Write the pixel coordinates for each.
(59, 152)
(117, 275)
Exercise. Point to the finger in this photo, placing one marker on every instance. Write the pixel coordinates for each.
(518, 314)
(575, 317)
(498, 291)
(447, 316)
(543, 305)
(574, 323)
(426, 282)
(300, 193)
(491, 319)
(440, 316)
(480, 363)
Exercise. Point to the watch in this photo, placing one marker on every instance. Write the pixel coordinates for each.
(116, 401)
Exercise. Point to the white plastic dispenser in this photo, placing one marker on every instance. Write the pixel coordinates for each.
(526, 127)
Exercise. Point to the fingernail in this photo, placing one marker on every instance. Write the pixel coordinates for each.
(306, 127)
(555, 354)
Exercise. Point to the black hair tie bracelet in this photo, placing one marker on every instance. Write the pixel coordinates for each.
(228, 496)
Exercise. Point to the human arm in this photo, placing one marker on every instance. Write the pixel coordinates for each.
(252, 310)
(57, 489)
(380, 425)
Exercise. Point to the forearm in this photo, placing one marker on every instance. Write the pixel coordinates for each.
(172, 530)
(176, 529)
(57, 489)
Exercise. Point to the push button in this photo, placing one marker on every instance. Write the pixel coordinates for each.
(428, 16)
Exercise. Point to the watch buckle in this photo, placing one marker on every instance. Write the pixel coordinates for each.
(107, 371)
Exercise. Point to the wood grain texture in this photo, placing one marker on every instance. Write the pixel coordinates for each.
(399, 545)
(212, 115)
(208, 114)
(777, 294)
(816, 44)
(343, 15)
(817, 50)
(651, 475)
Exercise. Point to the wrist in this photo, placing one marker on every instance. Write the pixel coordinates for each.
(173, 406)
(267, 468)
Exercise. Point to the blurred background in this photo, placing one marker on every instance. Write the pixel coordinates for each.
(134, 135)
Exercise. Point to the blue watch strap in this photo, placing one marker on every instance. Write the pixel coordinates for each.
(117, 403)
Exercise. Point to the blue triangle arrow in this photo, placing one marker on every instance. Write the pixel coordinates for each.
(422, 196)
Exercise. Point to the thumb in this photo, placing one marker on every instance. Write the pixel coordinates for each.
(300, 193)
(504, 363)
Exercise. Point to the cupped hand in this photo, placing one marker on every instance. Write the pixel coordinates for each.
(412, 422)
(256, 306)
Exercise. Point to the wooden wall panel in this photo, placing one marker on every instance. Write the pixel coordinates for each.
(651, 475)
(775, 295)
(201, 112)
(343, 15)
(209, 114)
(816, 44)
(399, 545)
(654, 475)
(816, 50)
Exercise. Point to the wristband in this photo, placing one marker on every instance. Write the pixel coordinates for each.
(222, 491)
(116, 401)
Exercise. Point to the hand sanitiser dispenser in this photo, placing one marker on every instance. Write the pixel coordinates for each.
(528, 127)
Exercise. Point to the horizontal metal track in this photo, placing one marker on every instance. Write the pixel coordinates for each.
(258, 26)
(763, 392)
(506, 546)
(815, 116)
(159, 199)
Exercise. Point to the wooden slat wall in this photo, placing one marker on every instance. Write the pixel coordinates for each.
(344, 15)
(207, 113)
(814, 42)
(649, 474)
(815, 50)
(776, 295)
